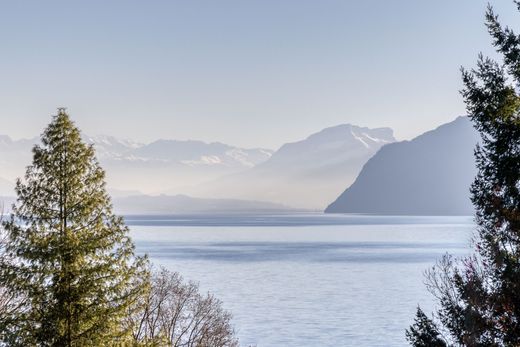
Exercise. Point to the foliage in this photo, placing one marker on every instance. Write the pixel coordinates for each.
(68, 258)
(68, 273)
(424, 332)
(479, 296)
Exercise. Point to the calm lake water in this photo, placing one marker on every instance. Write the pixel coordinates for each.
(308, 280)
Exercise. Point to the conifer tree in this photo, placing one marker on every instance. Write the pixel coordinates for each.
(424, 332)
(69, 259)
(479, 299)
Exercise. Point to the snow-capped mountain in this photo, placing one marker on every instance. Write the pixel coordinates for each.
(162, 164)
(330, 147)
(304, 174)
(109, 146)
(133, 166)
(429, 175)
(194, 153)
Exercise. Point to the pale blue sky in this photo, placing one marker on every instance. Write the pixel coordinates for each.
(250, 73)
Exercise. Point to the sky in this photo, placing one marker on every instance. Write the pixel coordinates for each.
(252, 73)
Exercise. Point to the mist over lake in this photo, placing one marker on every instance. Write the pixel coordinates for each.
(260, 173)
(308, 279)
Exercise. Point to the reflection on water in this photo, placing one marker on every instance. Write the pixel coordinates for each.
(298, 251)
(308, 280)
(298, 219)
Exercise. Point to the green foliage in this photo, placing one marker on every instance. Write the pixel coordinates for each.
(480, 299)
(424, 332)
(68, 258)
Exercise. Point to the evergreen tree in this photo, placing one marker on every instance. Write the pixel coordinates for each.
(424, 332)
(480, 299)
(69, 259)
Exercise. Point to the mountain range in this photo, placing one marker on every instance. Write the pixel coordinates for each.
(182, 204)
(168, 165)
(429, 175)
(135, 167)
(305, 174)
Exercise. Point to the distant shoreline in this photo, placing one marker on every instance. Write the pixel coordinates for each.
(298, 219)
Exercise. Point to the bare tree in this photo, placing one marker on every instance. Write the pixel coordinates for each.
(174, 313)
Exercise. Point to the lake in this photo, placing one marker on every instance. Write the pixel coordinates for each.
(308, 279)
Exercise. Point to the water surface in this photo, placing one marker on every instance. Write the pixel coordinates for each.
(308, 280)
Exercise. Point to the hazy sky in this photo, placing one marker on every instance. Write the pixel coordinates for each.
(250, 73)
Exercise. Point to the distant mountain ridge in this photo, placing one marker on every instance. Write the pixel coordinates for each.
(429, 175)
(201, 153)
(171, 164)
(182, 204)
(340, 142)
(305, 174)
(134, 166)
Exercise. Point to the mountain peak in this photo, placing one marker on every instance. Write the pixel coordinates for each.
(430, 174)
(344, 138)
(307, 173)
(345, 130)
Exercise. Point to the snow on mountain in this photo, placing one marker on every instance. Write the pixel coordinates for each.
(429, 175)
(194, 153)
(172, 164)
(304, 174)
(249, 157)
(109, 146)
(134, 166)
